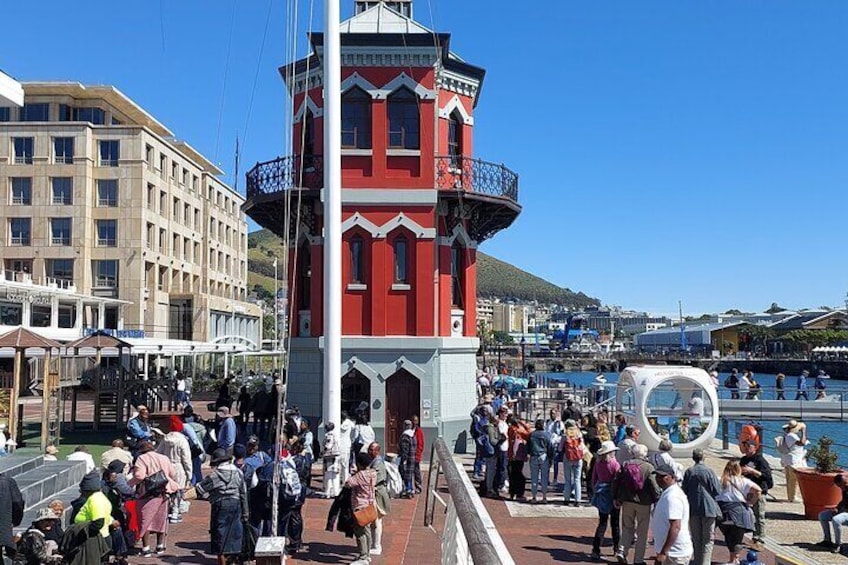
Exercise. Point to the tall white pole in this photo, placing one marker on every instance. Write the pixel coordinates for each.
(332, 214)
(278, 339)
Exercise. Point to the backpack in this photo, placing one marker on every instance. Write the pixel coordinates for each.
(394, 484)
(485, 445)
(289, 482)
(477, 426)
(573, 449)
(632, 476)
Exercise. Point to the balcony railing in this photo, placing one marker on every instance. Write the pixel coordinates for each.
(474, 175)
(452, 173)
(286, 173)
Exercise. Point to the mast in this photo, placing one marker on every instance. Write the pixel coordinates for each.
(332, 214)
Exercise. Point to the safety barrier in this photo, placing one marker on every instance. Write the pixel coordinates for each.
(468, 535)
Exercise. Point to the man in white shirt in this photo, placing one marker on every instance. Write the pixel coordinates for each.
(81, 454)
(670, 522)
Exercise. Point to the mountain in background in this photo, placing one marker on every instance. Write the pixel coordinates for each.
(495, 278)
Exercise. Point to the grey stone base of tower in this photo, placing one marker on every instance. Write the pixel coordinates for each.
(397, 378)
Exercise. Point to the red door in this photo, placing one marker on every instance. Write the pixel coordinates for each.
(403, 401)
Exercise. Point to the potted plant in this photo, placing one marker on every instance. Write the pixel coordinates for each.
(816, 483)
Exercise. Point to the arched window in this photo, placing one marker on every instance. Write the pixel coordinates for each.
(401, 263)
(404, 126)
(308, 135)
(305, 276)
(455, 139)
(457, 276)
(357, 260)
(356, 119)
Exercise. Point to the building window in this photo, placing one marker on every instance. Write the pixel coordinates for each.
(35, 112)
(107, 192)
(11, 314)
(163, 238)
(40, 316)
(110, 152)
(88, 114)
(22, 191)
(105, 273)
(5, 114)
(163, 164)
(60, 269)
(457, 277)
(163, 203)
(151, 197)
(357, 260)
(455, 140)
(401, 259)
(308, 137)
(194, 180)
(356, 119)
(403, 120)
(19, 229)
(187, 215)
(67, 315)
(60, 231)
(107, 233)
(184, 180)
(23, 149)
(196, 218)
(174, 169)
(305, 276)
(175, 215)
(187, 249)
(151, 236)
(175, 247)
(148, 156)
(63, 150)
(63, 190)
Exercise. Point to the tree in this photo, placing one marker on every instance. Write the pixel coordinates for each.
(734, 312)
(269, 326)
(502, 338)
(775, 308)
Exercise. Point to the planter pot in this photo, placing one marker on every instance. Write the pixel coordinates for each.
(818, 491)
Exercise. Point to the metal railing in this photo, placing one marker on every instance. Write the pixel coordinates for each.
(286, 173)
(475, 175)
(452, 173)
(469, 534)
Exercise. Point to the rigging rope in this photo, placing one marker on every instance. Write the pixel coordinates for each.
(224, 85)
(256, 74)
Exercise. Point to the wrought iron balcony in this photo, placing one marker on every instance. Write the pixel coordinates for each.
(474, 175)
(285, 173)
(452, 173)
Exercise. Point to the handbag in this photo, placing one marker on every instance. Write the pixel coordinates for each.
(366, 515)
(154, 485)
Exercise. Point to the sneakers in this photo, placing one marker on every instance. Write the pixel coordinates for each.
(376, 550)
(145, 552)
(160, 549)
(826, 544)
(620, 558)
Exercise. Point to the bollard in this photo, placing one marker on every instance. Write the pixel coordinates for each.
(270, 550)
(725, 434)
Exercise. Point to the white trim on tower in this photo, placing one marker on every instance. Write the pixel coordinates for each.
(456, 104)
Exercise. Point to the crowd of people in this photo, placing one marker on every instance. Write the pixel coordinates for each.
(635, 492)
(745, 386)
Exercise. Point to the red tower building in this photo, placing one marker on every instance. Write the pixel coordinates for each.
(416, 204)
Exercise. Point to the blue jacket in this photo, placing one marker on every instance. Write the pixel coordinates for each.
(139, 429)
(802, 382)
(189, 432)
(227, 433)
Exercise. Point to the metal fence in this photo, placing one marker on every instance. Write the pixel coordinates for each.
(468, 533)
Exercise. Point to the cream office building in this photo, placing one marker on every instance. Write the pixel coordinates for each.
(99, 195)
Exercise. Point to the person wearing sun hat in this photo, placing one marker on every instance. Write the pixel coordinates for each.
(33, 547)
(605, 469)
(792, 453)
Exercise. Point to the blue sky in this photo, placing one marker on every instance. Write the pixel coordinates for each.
(667, 150)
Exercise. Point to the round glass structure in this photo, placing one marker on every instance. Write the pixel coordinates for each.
(678, 403)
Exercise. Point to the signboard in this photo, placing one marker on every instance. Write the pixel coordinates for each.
(134, 334)
(33, 298)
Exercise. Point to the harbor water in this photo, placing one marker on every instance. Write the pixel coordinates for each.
(838, 431)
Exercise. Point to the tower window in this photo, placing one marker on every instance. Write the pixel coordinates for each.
(308, 135)
(457, 277)
(305, 276)
(357, 260)
(455, 139)
(403, 120)
(356, 119)
(401, 260)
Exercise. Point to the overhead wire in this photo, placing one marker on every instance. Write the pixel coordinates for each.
(224, 84)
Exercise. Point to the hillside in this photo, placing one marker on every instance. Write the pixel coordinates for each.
(495, 278)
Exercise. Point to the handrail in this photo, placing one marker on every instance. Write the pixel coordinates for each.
(476, 538)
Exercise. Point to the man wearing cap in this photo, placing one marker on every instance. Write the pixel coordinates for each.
(802, 386)
(701, 486)
(792, 453)
(226, 430)
(138, 428)
(670, 522)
